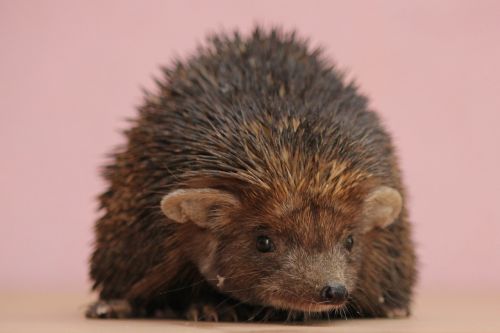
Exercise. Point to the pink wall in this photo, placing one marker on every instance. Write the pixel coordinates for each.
(70, 72)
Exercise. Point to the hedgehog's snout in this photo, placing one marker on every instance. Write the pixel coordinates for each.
(334, 293)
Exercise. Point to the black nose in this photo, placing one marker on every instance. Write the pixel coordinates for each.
(334, 293)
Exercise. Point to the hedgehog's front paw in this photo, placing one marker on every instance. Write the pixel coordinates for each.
(117, 308)
(210, 312)
(397, 312)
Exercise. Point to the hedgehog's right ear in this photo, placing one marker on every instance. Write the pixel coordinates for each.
(195, 204)
(381, 208)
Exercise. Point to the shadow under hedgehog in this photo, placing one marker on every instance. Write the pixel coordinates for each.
(256, 184)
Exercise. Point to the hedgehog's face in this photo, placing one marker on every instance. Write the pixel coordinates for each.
(303, 258)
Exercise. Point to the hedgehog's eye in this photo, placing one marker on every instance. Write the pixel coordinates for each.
(265, 244)
(349, 243)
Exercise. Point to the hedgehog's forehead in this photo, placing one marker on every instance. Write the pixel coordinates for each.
(307, 205)
(337, 188)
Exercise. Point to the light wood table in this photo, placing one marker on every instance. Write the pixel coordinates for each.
(433, 312)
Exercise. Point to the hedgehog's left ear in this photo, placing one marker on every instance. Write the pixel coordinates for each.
(195, 204)
(381, 208)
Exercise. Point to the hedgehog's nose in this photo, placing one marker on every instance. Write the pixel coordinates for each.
(334, 293)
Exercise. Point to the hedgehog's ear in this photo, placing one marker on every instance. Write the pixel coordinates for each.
(381, 208)
(195, 204)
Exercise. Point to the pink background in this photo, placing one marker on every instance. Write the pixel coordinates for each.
(71, 71)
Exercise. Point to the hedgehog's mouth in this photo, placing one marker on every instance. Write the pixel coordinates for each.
(285, 303)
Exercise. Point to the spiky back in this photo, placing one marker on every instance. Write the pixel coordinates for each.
(264, 109)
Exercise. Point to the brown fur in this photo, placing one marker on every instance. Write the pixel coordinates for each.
(295, 154)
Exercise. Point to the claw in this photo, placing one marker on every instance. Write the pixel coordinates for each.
(209, 312)
(192, 313)
(109, 309)
(397, 313)
(229, 314)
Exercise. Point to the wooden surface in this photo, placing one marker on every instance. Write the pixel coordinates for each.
(433, 312)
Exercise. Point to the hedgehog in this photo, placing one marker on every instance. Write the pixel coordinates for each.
(256, 183)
